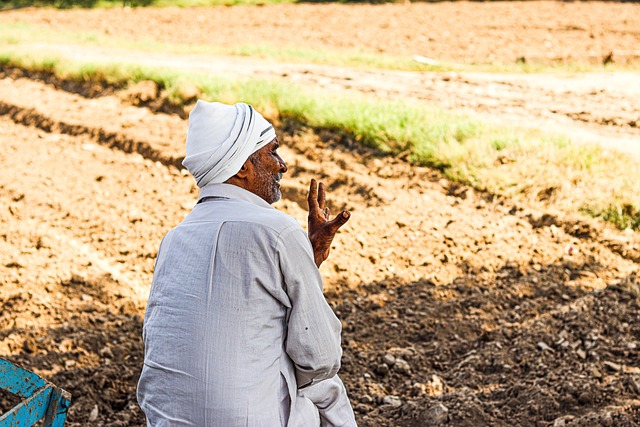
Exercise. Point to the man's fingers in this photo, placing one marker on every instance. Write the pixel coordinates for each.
(313, 195)
(322, 197)
(340, 220)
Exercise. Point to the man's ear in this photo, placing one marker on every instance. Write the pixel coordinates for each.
(245, 170)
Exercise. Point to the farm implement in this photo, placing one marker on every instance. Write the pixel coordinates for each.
(40, 399)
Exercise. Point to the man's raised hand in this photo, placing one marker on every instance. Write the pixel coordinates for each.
(321, 229)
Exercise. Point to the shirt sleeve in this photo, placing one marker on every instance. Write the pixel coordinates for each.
(330, 397)
(313, 330)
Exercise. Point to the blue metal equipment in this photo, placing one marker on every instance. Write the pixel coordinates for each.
(41, 399)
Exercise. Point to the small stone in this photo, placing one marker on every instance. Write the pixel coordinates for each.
(595, 372)
(402, 366)
(394, 401)
(30, 345)
(544, 347)
(436, 415)
(366, 399)
(606, 419)
(363, 409)
(434, 387)
(581, 354)
(382, 369)
(562, 421)
(106, 352)
(632, 346)
(613, 367)
(570, 249)
(419, 388)
(389, 359)
(585, 397)
(407, 353)
(94, 413)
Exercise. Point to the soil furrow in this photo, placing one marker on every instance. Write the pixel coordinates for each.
(106, 119)
(31, 117)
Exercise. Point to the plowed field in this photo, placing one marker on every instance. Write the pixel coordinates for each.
(459, 308)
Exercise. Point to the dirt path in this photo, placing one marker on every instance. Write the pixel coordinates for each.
(449, 299)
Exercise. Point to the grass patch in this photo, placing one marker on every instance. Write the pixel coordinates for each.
(517, 163)
(622, 216)
(345, 58)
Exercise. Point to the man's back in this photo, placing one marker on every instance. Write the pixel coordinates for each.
(239, 303)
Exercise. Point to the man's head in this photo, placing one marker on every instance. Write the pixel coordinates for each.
(261, 173)
(221, 138)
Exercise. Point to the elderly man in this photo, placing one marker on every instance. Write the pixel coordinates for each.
(237, 331)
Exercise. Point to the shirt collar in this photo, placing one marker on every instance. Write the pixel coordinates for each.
(231, 191)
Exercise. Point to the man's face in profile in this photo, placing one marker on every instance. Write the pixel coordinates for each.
(268, 167)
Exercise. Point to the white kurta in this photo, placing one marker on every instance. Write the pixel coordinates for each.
(237, 331)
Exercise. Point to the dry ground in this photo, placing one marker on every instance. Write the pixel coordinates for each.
(465, 32)
(600, 107)
(458, 308)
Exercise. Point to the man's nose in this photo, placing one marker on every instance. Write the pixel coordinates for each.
(283, 166)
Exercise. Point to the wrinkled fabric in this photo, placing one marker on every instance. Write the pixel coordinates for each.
(237, 331)
(221, 137)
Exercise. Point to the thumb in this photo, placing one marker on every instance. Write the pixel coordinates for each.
(340, 220)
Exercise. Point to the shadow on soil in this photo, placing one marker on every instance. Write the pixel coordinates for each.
(513, 347)
(521, 349)
(97, 361)
(94, 351)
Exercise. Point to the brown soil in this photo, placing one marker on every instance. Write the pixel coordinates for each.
(459, 308)
(453, 31)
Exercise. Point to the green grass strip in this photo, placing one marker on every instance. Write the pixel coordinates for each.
(514, 162)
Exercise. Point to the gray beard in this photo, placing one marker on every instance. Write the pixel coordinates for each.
(268, 189)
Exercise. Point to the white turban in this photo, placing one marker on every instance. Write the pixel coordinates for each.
(221, 138)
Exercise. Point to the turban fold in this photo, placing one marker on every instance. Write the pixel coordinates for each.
(221, 138)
